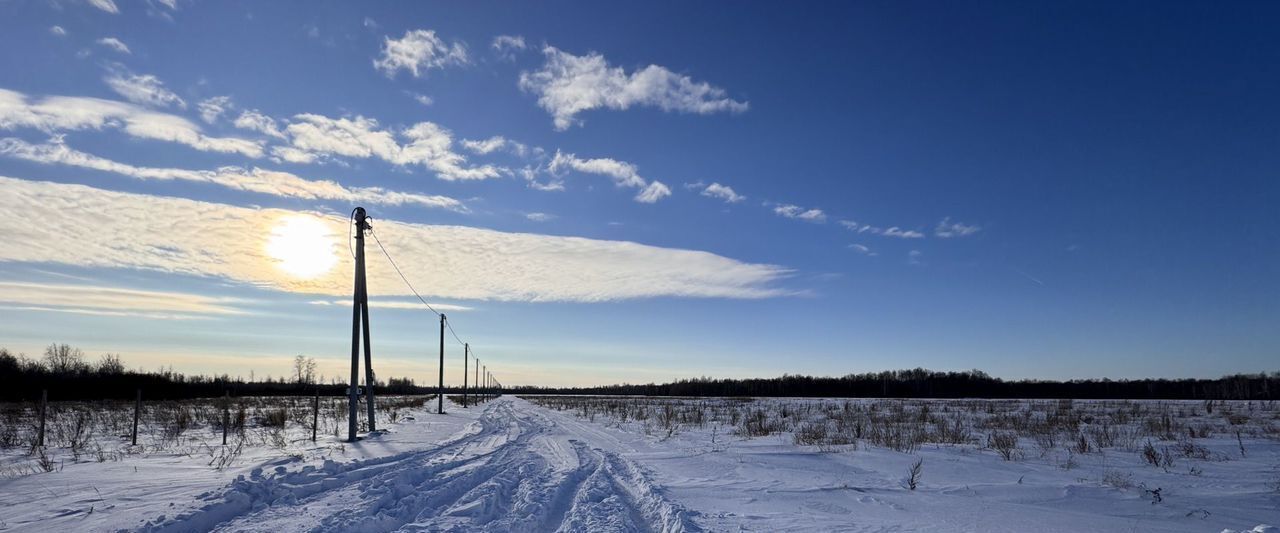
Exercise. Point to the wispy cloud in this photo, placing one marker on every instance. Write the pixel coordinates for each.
(421, 98)
(253, 120)
(427, 144)
(913, 257)
(506, 46)
(567, 85)
(493, 144)
(892, 231)
(863, 249)
(947, 229)
(58, 30)
(114, 44)
(723, 192)
(794, 211)
(1029, 276)
(418, 52)
(396, 304)
(106, 5)
(539, 217)
(211, 109)
(112, 301)
(256, 180)
(622, 173)
(227, 242)
(144, 89)
(53, 114)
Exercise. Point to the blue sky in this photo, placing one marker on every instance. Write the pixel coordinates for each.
(643, 192)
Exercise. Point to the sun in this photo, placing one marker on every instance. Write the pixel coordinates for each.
(302, 246)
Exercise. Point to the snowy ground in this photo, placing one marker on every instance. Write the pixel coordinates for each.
(511, 465)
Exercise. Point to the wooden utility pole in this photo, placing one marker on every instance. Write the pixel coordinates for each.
(440, 387)
(137, 408)
(359, 316)
(466, 355)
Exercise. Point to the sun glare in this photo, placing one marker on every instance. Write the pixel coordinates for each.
(302, 246)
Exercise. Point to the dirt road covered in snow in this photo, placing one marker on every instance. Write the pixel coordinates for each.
(514, 469)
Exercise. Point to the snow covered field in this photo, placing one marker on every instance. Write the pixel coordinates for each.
(644, 464)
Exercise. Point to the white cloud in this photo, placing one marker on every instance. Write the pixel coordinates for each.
(419, 51)
(539, 217)
(622, 173)
(800, 213)
(902, 234)
(57, 30)
(493, 144)
(654, 191)
(723, 192)
(397, 304)
(98, 300)
(426, 144)
(213, 108)
(106, 5)
(947, 229)
(530, 175)
(53, 114)
(913, 257)
(567, 85)
(145, 89)
(893, 231)
(421, 98)
(114, 44)
(256, 180)
(862, 249)
(370, 23)
(288, 154)
(252, 120)
(506, 46)
(226, 242)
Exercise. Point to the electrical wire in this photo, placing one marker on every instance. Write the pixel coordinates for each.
(397, 268)
(447, 323)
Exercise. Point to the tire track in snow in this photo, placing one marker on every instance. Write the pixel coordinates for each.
(521, 472)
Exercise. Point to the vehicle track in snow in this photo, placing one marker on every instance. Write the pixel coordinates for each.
(521, 472)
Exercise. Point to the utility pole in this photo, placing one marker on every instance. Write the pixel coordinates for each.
(485, 373)
(466, 354)
(440, 389)
(359, 316)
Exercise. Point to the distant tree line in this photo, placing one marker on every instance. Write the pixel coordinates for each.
(922, 383)
(67, 374)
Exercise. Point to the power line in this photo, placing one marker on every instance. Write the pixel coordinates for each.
(397, 267)
(447, 322)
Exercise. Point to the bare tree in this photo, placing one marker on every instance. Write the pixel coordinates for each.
(64, 359)
(304, 370)
(110, 364)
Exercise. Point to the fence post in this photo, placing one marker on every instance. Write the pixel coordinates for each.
(315, 416)
(226, 415)
(44, 401)
(137, 408)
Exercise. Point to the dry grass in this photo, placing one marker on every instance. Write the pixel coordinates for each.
(100, 431)
(1011, 429)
